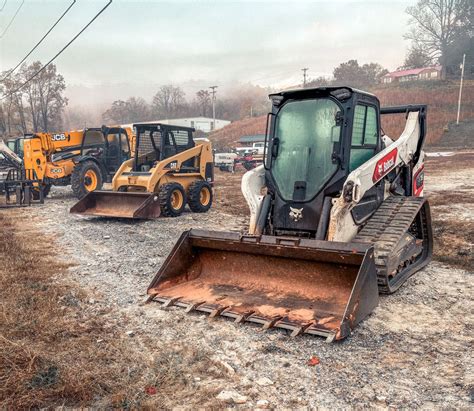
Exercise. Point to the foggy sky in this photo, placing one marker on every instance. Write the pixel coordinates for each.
(135, 46)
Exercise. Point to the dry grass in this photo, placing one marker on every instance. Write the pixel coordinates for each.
(56, 351)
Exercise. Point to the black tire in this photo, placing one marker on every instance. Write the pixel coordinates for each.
(200, 196)
(81, 181)
(169, 195)
(35, 194)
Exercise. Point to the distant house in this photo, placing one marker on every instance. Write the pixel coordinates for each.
(204, 124)
(251, 139)
(425, 73)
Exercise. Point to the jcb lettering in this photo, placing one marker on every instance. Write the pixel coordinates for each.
(58, 137)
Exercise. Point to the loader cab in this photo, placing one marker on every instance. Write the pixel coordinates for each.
(109, 145)
(17, 145)
(315, 138)
(157, 142)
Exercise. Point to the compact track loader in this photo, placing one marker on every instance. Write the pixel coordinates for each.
(169, 169)
(337, 217)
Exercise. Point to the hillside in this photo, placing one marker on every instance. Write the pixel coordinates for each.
(441, 98)
(229, 135)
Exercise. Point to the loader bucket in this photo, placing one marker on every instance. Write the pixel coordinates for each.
(306, 286)
(118, 204)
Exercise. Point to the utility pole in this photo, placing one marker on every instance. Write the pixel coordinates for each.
(213, 88)
(304, 70)
(460, 87)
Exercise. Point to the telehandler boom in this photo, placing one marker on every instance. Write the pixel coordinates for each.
(337, 216)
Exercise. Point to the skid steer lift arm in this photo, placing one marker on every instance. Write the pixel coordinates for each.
(406, 152)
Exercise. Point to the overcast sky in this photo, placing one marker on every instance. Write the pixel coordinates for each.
(137, 43)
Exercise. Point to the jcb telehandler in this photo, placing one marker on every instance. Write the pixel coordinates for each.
(169, 169)
(342, 217)
(84, 159)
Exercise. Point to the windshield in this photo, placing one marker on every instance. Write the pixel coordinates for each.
(306, 130)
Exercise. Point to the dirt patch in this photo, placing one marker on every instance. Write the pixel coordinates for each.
(228, 195)
(58, 349)
(453, 242)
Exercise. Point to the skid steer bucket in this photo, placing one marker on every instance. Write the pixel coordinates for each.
(306, 286)
(118, 204)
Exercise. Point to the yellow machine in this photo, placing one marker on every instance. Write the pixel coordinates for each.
(169, 170)
(84, 159)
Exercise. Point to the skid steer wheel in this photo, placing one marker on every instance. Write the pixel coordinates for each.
(172, 199)
(200, 196)
(86, 177)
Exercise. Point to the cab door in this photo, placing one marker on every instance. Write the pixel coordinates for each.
(118, 149)
(365, 144)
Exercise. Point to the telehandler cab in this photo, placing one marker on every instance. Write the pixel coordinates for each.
(337, 216)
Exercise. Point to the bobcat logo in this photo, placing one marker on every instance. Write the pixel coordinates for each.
(296, 214)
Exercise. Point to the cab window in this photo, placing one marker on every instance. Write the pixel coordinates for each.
(364, 135)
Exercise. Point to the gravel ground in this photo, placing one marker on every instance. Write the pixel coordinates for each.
(413, 351)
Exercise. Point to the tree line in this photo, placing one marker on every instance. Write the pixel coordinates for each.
(170, 102)
(35, 107)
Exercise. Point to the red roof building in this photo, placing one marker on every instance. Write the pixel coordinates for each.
(425, 73)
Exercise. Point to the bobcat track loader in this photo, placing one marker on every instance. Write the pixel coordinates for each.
(337, 217)
(169, 169)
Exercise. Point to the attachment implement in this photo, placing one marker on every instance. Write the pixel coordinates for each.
(306, 286)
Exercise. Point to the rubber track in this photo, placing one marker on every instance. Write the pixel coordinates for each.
(385, 229)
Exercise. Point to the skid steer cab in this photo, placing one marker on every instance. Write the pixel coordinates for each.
(169, 170)
(337, 215)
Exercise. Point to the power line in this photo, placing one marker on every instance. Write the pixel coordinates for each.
(39, 42)
(60, 52)
(4, 4)
(13, 18)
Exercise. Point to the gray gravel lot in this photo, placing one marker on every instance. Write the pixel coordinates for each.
(415, 350)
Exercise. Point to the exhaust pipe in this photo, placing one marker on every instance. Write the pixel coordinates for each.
(140, 205)
(306, 286)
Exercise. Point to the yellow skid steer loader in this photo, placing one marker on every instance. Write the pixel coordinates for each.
(169, 169)
(337, 216)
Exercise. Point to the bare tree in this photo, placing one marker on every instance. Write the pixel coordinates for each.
(44, 96)
(203, 101)
(169, 102)
(436, 24)
(13, 112)
(135, 109)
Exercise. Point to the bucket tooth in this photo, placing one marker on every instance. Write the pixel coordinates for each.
(193, 306)
(308, 287)
(217, 311)
(170, 302)
(239, 318)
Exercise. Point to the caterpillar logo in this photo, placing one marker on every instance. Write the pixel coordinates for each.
(58, 137)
